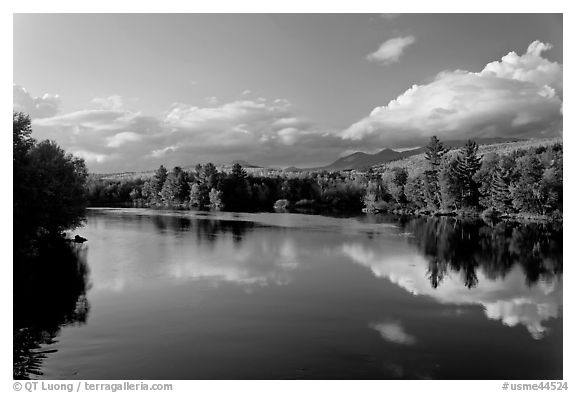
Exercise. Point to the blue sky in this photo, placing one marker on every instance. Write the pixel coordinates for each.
(129, 92)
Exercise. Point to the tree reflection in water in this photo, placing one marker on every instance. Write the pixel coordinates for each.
(205, 229)
(463, 247)
(49, 292)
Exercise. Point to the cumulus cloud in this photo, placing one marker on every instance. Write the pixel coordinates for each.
(37, 107)
(90, 156)
(391, 50)
(520, 95)
(107, 139)
(530, 67)
(162, 152)
(261, 130)
(122, 138)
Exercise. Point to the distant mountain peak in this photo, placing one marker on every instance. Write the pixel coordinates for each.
(359, 160)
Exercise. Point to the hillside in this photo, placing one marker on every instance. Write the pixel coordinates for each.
(249, 168)
(360, 160)
(417, 163)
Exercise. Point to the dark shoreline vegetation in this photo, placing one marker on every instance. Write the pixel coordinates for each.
(50, 274)
(521, 184)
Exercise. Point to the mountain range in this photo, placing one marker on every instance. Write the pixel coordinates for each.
(359, 160)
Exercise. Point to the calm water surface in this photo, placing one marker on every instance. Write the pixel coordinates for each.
(184, 295)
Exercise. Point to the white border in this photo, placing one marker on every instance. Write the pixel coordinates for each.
(298, 6)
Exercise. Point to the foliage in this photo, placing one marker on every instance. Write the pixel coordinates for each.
(175, 189)
(435, 152)
(49, 187)
(446, 182)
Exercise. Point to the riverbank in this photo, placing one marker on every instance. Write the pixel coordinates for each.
(486, 215)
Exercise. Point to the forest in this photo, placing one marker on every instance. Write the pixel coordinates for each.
(522, 183)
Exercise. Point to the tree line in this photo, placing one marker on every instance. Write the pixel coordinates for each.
(523, 182)
(206, 187)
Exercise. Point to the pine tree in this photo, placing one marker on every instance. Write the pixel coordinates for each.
(450, 187)
(500, 190)
(527, 192)
(238, 172)
(468, 163)
(435, 152)
(209, 175)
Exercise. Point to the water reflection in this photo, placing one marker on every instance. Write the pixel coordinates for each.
(513, 270)
(49, 293)
(393, 331)
(185, 295)
(465, 246)
(205, 229)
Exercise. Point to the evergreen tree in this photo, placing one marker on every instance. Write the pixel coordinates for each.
(468, 164)
(238, 172)
(156, 185)
(527, 192)
(209, 176)
(400, 179)
(500, 190)
(450, 186)
(435, 152)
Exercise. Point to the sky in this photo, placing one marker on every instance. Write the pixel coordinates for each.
(129, 92)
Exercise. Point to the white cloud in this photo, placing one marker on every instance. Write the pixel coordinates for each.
(121, 138)
(246, 92)
(517, 96)
(36, 107)
(394, 332)
(161, 152)
(89, 156)
(288, 135)
(235, 124)
(530, 67)
(266, 131)
(391, 50)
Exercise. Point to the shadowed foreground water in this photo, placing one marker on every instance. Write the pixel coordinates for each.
(183, 295)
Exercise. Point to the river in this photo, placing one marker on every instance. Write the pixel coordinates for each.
(192, 295)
